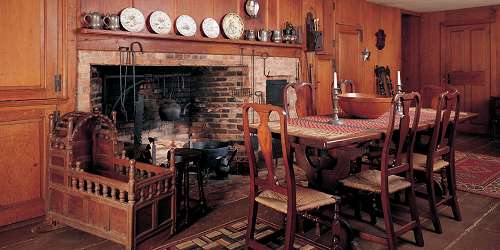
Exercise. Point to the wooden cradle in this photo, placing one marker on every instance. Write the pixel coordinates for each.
(93, 188)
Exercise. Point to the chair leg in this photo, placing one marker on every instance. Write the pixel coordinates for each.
(389, 226)
(186, 195)
(452, 189)
(357, 204)
(432, 204)
(373, 211)
(290, 230)
(201, 191)
(336, 227)
(252, 218)
(412, 200)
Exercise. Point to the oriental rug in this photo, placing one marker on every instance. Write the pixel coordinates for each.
(478, 174)
(232, 235)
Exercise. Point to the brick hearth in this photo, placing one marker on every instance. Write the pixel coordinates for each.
(216, 110)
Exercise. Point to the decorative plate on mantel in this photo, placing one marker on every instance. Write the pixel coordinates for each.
(160, 22)
(210, 27)
(233, 26)
(132, 19)
(186, 25)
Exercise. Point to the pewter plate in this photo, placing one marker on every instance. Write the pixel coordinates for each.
(132, 19)
(160, 22)
(233, 26)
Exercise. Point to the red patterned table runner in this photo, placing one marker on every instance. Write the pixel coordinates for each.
(321, 130)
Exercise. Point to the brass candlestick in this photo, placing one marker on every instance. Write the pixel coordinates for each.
(399, 105)
(336, 120)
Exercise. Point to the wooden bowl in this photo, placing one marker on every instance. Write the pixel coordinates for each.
(368, 106)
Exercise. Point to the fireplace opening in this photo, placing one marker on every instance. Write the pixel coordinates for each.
(174, 105)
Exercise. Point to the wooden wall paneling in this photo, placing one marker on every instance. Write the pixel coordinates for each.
(391, 54)
(23, 143)
(222, 7)
(371, 24)
(495, 60)
(430, 48)
(410, 58)
(348, 11)
(349, 45)
(323, 86)
(470, 16)
(198, 10)
(328, 27)
(285, 13)
(272, 17)
(68, 59)
(29, 55)
(480, 58)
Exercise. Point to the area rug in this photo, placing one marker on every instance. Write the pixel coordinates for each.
(232, 235)
(478, 174)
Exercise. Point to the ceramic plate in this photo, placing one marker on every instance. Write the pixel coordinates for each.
(160, 22)
(210, 27)
(132, 20)
(186, 25)
(233, 26)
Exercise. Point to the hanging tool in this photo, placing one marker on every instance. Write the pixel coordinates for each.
(124, 53)
(138, 100)
(267, 73)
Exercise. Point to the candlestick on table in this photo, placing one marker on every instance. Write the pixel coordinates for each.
(399, 91)
(335, 80)
(335, 93)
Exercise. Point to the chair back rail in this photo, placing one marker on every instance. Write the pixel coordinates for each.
(404, 137)
(443, 137)
(265, 144)
(304, 102)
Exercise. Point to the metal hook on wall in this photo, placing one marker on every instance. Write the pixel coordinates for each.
(267, 73)
(264, 57)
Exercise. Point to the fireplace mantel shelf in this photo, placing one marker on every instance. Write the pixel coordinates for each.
(85, 31)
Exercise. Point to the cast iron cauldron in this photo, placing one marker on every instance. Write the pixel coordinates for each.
(218, 156)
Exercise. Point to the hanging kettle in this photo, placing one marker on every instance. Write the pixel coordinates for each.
(170, 110)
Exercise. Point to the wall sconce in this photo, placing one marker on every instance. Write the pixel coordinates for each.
(366, 54)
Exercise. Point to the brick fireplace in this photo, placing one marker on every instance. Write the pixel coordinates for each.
(212, 86)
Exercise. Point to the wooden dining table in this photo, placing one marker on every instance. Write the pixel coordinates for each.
(324, 150)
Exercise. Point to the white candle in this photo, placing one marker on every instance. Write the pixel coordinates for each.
(335, 80)
(399, 78)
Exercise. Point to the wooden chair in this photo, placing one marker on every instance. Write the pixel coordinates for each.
(286, 198)
(304, 103)
(494, 119)
(394, 162)
(440, 157)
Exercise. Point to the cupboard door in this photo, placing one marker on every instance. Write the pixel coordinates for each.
(28, 50)
(22, 164)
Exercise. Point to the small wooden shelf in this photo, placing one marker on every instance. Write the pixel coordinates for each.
(187, 39)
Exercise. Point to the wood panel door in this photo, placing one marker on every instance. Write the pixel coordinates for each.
(23, 133)
(349, 46)
(466, 66)
(323, 84)
(28, 49)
